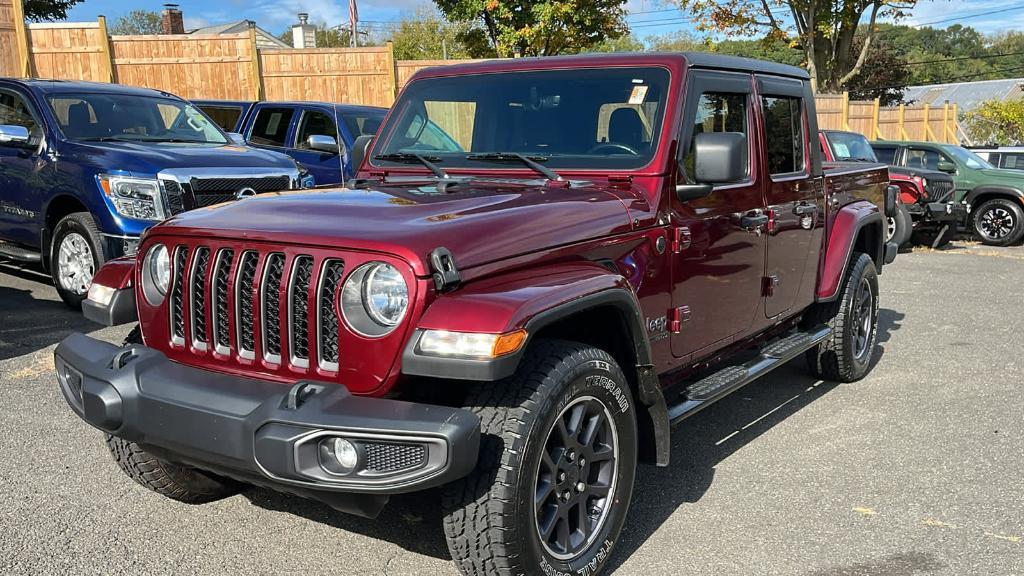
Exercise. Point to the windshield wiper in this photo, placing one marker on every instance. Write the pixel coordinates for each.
(110, 139)
(410, 157)
(529, 161)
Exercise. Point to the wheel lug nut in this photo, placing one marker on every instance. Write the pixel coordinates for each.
(566, 495)
(583, 462)
(561, 476)
(571, 455)
(580, 487)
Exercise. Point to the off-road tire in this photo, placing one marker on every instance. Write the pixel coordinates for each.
(171, 480)
(174, 481)
(836, 358)
(934, 235)
(80, 223)
(904, 226)
(1013, 211)
(489, 516)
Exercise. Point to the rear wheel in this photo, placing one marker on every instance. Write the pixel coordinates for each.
(999, 222)
(76, 254)
(899, 226)
(555, 475)
(845, 356)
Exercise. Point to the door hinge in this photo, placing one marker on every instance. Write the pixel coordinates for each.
(768, 285)
(681, 239)
(676, 318)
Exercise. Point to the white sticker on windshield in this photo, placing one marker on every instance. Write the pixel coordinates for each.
(638, 94)
(841, 150)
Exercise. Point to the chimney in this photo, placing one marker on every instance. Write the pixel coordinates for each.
(171, 21)
(304, 33)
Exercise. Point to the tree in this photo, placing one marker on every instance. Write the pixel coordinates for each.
(427, 36)
(540, 27)
(889, 75)
(998, 122)
(37, 10)
(823, 29)
(137, 22)
(627, 43)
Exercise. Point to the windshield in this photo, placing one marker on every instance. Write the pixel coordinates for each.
(969, 158)
(849, 146)
(588, 118)
(104, 116)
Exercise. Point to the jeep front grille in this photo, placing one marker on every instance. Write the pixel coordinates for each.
(941, 190)
(248, 302)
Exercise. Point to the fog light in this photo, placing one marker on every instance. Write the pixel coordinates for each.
(101, 294)
(338, 456)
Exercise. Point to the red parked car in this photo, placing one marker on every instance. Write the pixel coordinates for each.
(612, 244)
(926, 211)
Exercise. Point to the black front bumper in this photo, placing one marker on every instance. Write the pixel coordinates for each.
(940, 212)
(263, 432)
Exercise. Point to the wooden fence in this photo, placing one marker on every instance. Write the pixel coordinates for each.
(229, 66)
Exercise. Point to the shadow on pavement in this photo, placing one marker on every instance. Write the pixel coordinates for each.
(31, 324)
(413, 521)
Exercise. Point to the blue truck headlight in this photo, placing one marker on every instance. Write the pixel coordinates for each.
(138, 198)
(375, 299)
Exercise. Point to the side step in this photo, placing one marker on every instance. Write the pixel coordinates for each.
(709, 389)
(14, 252)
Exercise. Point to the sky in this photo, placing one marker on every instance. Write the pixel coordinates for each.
(647, 17)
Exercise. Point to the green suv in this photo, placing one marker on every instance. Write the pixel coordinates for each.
(994, 197)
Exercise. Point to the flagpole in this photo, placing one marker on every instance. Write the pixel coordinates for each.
(353, 18)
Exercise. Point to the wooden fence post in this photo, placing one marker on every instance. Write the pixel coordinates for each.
(257, 75)
(903, 128)
(955, 126)
(392, 71)
(846, 110)
(21, 37)
(928, 134)
(105, 47)
(876, 132)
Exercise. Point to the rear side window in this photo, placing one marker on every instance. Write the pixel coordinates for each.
(363, 124)
(885, 154)
(784, 134)
(271, 126)
(927, 159)
(224, 116)
(1012, 160)
(314, 123)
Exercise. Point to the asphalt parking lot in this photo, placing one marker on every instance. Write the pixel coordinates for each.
(917, 469)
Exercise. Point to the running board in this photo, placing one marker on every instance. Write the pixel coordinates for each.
(14, 252)
(709, 389)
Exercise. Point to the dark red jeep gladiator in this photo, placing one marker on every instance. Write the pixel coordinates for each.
(926, 212)
(543, 265)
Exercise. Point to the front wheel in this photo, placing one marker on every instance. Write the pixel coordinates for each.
(845, 356)
(76, 255)
(999, 222)
(555, 474)
(899, 226)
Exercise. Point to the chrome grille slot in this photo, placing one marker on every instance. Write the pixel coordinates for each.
(221, 316)
(298, 310)
(197, 297)
(326, 315)
(245, 304)
(270, 307)
(177, 306)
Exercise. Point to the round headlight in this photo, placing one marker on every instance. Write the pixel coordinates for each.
(156, 274)
(375, 299)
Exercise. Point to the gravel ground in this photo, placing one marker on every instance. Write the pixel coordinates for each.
(917, 469)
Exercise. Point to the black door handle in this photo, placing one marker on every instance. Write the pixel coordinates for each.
(804, 209)
(753, 221)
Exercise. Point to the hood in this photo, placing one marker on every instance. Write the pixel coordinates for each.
(148, 158)
(1011, 177)
(479, 223)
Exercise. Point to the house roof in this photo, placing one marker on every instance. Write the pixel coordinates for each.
(966, 95)
(239, 26)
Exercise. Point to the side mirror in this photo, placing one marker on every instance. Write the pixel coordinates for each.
(11, 135)
(718, 158)
(947, 167)
(236, 139)
(359, 149)
(323, 143)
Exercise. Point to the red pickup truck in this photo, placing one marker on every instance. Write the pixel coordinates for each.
(518, 312)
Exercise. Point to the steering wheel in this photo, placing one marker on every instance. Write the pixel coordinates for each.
(613, 146)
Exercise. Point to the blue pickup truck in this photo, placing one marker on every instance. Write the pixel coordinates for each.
(317, 134)
(86, 167)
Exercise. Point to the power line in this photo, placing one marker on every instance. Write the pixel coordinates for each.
(954, 59)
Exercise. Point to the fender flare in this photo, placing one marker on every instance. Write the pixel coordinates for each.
(993, 189)
(502, 304)
(849, 223)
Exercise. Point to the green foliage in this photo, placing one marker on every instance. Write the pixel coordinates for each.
(540, 27)
(137, 22)
(428, 36)
(38, 10)
(956, 53)
(997, 122)
(886, 74)
(627, 43)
